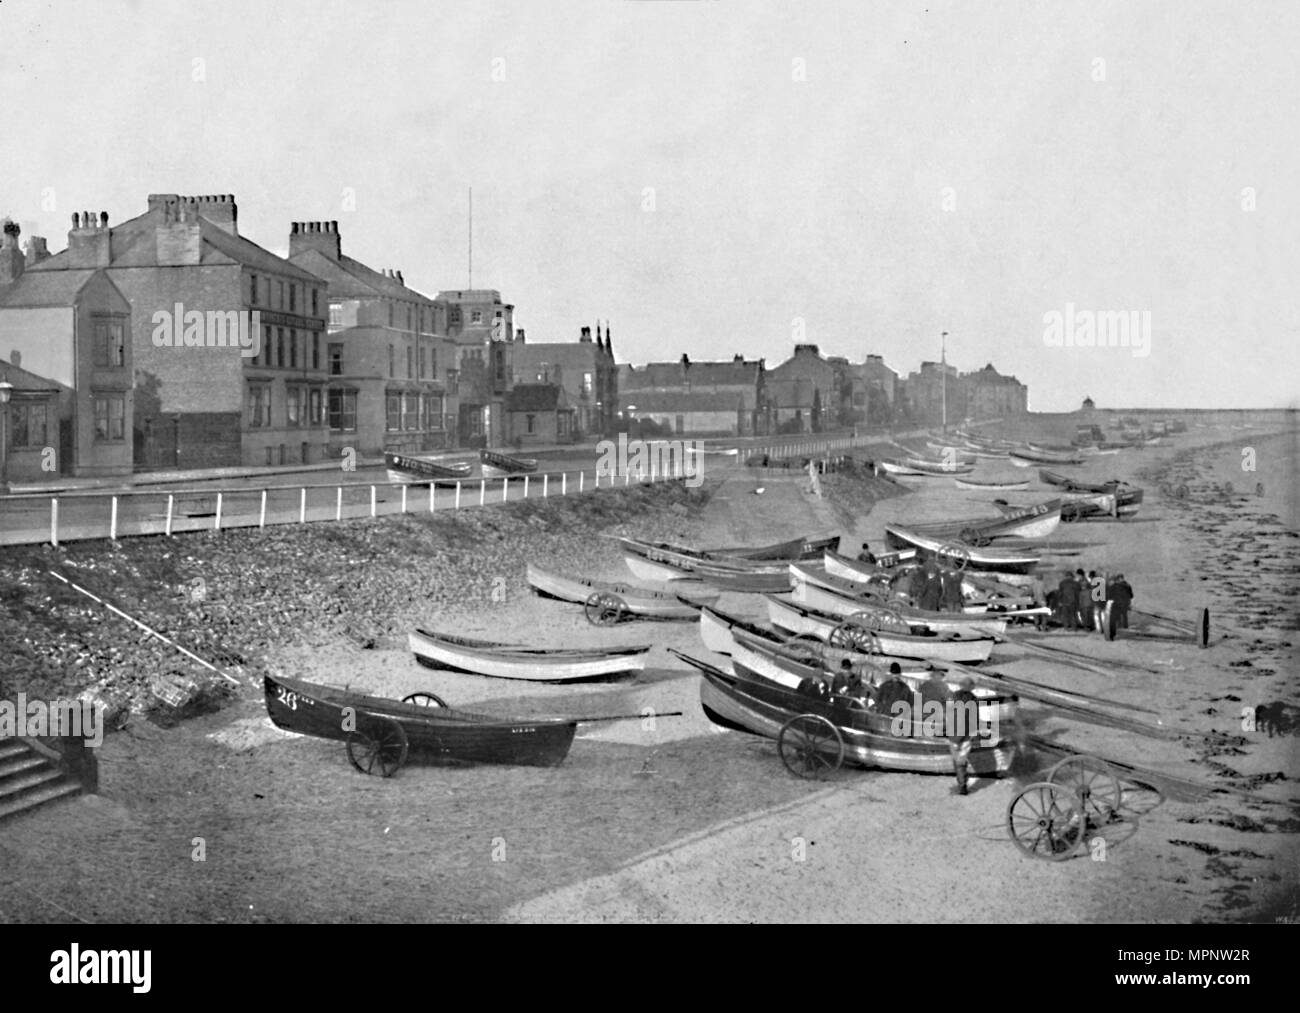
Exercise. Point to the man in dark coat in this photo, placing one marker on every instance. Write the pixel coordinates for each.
(951, 598)
(866, 555)
(932, 591)
(1121, 598)
(893, 690)
(1085, 600)
(1067, 602)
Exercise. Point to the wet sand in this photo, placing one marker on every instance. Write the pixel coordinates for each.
(676, 820)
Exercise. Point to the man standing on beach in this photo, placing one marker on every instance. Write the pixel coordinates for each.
(932, 589)
(950, 598)
(963, 729)
(1085, 601)
(1121, 598)
(1039, 592)
(1067, 601)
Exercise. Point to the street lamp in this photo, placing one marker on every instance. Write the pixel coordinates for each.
(6, 390)
(943, 373)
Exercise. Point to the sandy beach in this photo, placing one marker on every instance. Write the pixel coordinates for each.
(673, 819)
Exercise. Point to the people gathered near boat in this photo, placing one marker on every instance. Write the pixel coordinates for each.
(1119, 596)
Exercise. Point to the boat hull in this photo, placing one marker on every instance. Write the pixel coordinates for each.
(449, 733)
(764, 709)
(964, 648)
(639, 601)
(528, 666)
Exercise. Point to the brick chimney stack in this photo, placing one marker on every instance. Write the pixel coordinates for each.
(37, 250)
(90, 240)
(320, 236)
(219, 209)
(12, 263)
(585, 336)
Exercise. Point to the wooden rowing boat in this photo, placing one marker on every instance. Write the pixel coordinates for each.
(1025, 457)
(795, 548)
(837, 602)
(636, 601)
(1037, 521)
(763, 708)
(970, 643)
(663, 562)
(978, 557)
(930, 468)
(966, 483)
(495, 465)
(405, 470)
(508, 661)
(380, 731)
(978, 588)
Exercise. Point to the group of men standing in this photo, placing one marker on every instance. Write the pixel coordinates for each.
(1089, 601)
(932, 587)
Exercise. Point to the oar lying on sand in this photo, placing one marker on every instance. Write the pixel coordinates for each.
(1070, 702)
(1065, 657)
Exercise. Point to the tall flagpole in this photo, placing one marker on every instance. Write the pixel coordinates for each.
(471, 237)
(943, 372)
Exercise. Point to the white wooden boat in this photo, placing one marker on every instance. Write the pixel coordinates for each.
(966, 483)
(822, 599)
(511, 661)
(637, 601)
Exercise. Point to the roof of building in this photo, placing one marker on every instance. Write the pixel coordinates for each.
(43, 289)
(680, 401)
(744, 373)
(25, 381)
(134, 244)
(469, 295)
(350, 278)
(536, 397)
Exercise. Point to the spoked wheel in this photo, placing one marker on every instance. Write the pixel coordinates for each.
(955, 553)
(379, 748)
(973, 536)
(1069, 513)
(1094, 783)
(425, 700)
(604, 609)
(810, 746)
(852, 636)
(881, 617)
(1046, 821)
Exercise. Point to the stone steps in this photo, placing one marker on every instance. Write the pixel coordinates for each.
(28, 779)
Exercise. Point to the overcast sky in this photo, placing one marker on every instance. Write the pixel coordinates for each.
(714, 176)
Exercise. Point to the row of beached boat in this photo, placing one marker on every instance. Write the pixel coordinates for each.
(824, 611)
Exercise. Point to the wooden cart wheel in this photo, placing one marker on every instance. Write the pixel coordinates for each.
(810, 746)
(1046, 821)
(378, 748)
(853, 636)
(425, 700)
(1069, 513)
(1094, 782)
(604, 609)
(959, 554)
(881, 617)
(973, 536)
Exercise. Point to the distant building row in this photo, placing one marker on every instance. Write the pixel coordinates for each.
(808, 393)
(124, 352)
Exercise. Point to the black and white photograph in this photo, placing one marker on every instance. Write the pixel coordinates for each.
(650, 462)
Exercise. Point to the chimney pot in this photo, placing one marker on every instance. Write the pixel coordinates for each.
(76, 220)
(334, 226)
(103, 219)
